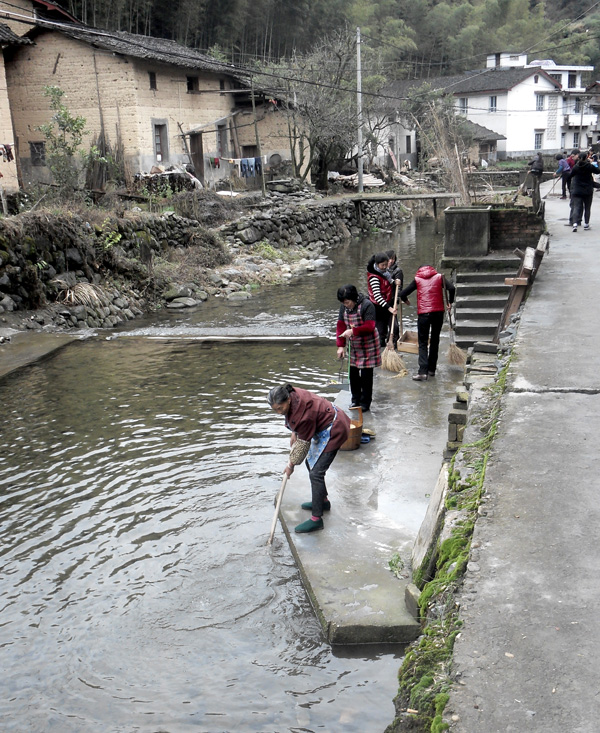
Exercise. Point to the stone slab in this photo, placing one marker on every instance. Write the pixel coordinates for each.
(26, 347)
(356, 597)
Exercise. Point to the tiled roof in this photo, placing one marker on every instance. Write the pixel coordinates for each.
(479, 132)
(144, 47)
(7, 37)
(470, 82)
(496, 80)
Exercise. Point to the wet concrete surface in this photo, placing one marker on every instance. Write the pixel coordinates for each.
(379, 495)
(26, 347)
(526, 659)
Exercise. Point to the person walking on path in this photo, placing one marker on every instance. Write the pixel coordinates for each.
(319, 429)
(429, 285)
(381, 293)
(356, 325)
(564, 171)
(582, 191)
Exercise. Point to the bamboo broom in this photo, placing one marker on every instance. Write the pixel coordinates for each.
(456, 355)
(391, 359)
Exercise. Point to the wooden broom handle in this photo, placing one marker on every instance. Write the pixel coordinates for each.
(391, 338)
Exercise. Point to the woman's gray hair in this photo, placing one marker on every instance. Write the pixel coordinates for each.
(280, 394)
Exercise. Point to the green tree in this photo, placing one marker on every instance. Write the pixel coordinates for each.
(64, 135)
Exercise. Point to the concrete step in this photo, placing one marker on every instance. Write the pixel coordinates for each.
(479, 330)
(480, 301)
(483, 276)
(473, 264)
(468, 289)
(465, 342)
(478, 314)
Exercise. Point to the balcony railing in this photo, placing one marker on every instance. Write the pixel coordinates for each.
(576, 119)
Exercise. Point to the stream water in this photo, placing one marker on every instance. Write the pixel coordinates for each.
(137, 476)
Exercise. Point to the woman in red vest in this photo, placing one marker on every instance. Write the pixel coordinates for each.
(429, 285)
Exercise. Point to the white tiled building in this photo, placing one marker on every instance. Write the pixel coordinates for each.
(537, 106)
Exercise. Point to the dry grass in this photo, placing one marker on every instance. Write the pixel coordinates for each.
(81, 294)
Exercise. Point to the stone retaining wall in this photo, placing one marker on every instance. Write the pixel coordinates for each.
(44, 256)
(323, 224)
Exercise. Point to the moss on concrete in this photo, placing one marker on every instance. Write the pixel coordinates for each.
(424, 677)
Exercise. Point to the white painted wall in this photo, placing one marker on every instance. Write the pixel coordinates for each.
(518, 120)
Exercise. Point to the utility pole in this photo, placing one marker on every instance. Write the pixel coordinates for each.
(359, 112)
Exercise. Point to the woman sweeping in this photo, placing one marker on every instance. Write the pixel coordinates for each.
(356, 322)
(319, 429)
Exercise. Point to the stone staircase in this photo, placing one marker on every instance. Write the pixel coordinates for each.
(481, 296)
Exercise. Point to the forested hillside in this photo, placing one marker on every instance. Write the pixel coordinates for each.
(415, 38)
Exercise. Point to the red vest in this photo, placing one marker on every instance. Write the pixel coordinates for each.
(430, 297)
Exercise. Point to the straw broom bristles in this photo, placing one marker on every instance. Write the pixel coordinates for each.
(391, 360)
(456, 355)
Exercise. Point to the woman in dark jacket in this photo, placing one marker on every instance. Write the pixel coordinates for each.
(319, 429)
(582, 191)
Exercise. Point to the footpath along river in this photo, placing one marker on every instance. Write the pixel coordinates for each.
(136, 493)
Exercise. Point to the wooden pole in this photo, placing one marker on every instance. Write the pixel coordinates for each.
(277, 508)
(262, 170)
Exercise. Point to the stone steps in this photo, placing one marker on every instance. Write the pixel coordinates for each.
(481, 276)
(482, 288)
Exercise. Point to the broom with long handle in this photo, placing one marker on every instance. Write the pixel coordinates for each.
(456, 355)
(391, 359)
(277, 508)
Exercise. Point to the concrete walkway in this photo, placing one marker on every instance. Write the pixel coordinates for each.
(527, 657)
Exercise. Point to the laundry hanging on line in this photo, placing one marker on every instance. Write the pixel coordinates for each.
(6, 152)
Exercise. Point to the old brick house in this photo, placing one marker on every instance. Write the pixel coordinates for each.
(9, 181)
(153, 99)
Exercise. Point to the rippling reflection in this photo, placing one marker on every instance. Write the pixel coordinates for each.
(137, 592)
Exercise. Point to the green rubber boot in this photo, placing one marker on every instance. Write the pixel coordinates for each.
(309, 526)
(308, 505)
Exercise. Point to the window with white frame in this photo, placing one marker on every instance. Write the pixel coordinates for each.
(538, 141)
(463, 105)
(539, 102)
(575, 139)
(577, 105)
(563, 140)
(493, 104)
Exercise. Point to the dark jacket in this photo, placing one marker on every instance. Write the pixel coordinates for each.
(582, 178)
(537, 166)
(309, 414)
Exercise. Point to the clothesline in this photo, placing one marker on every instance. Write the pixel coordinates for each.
(246, 167)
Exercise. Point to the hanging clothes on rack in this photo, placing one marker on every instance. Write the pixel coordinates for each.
(258, 166)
